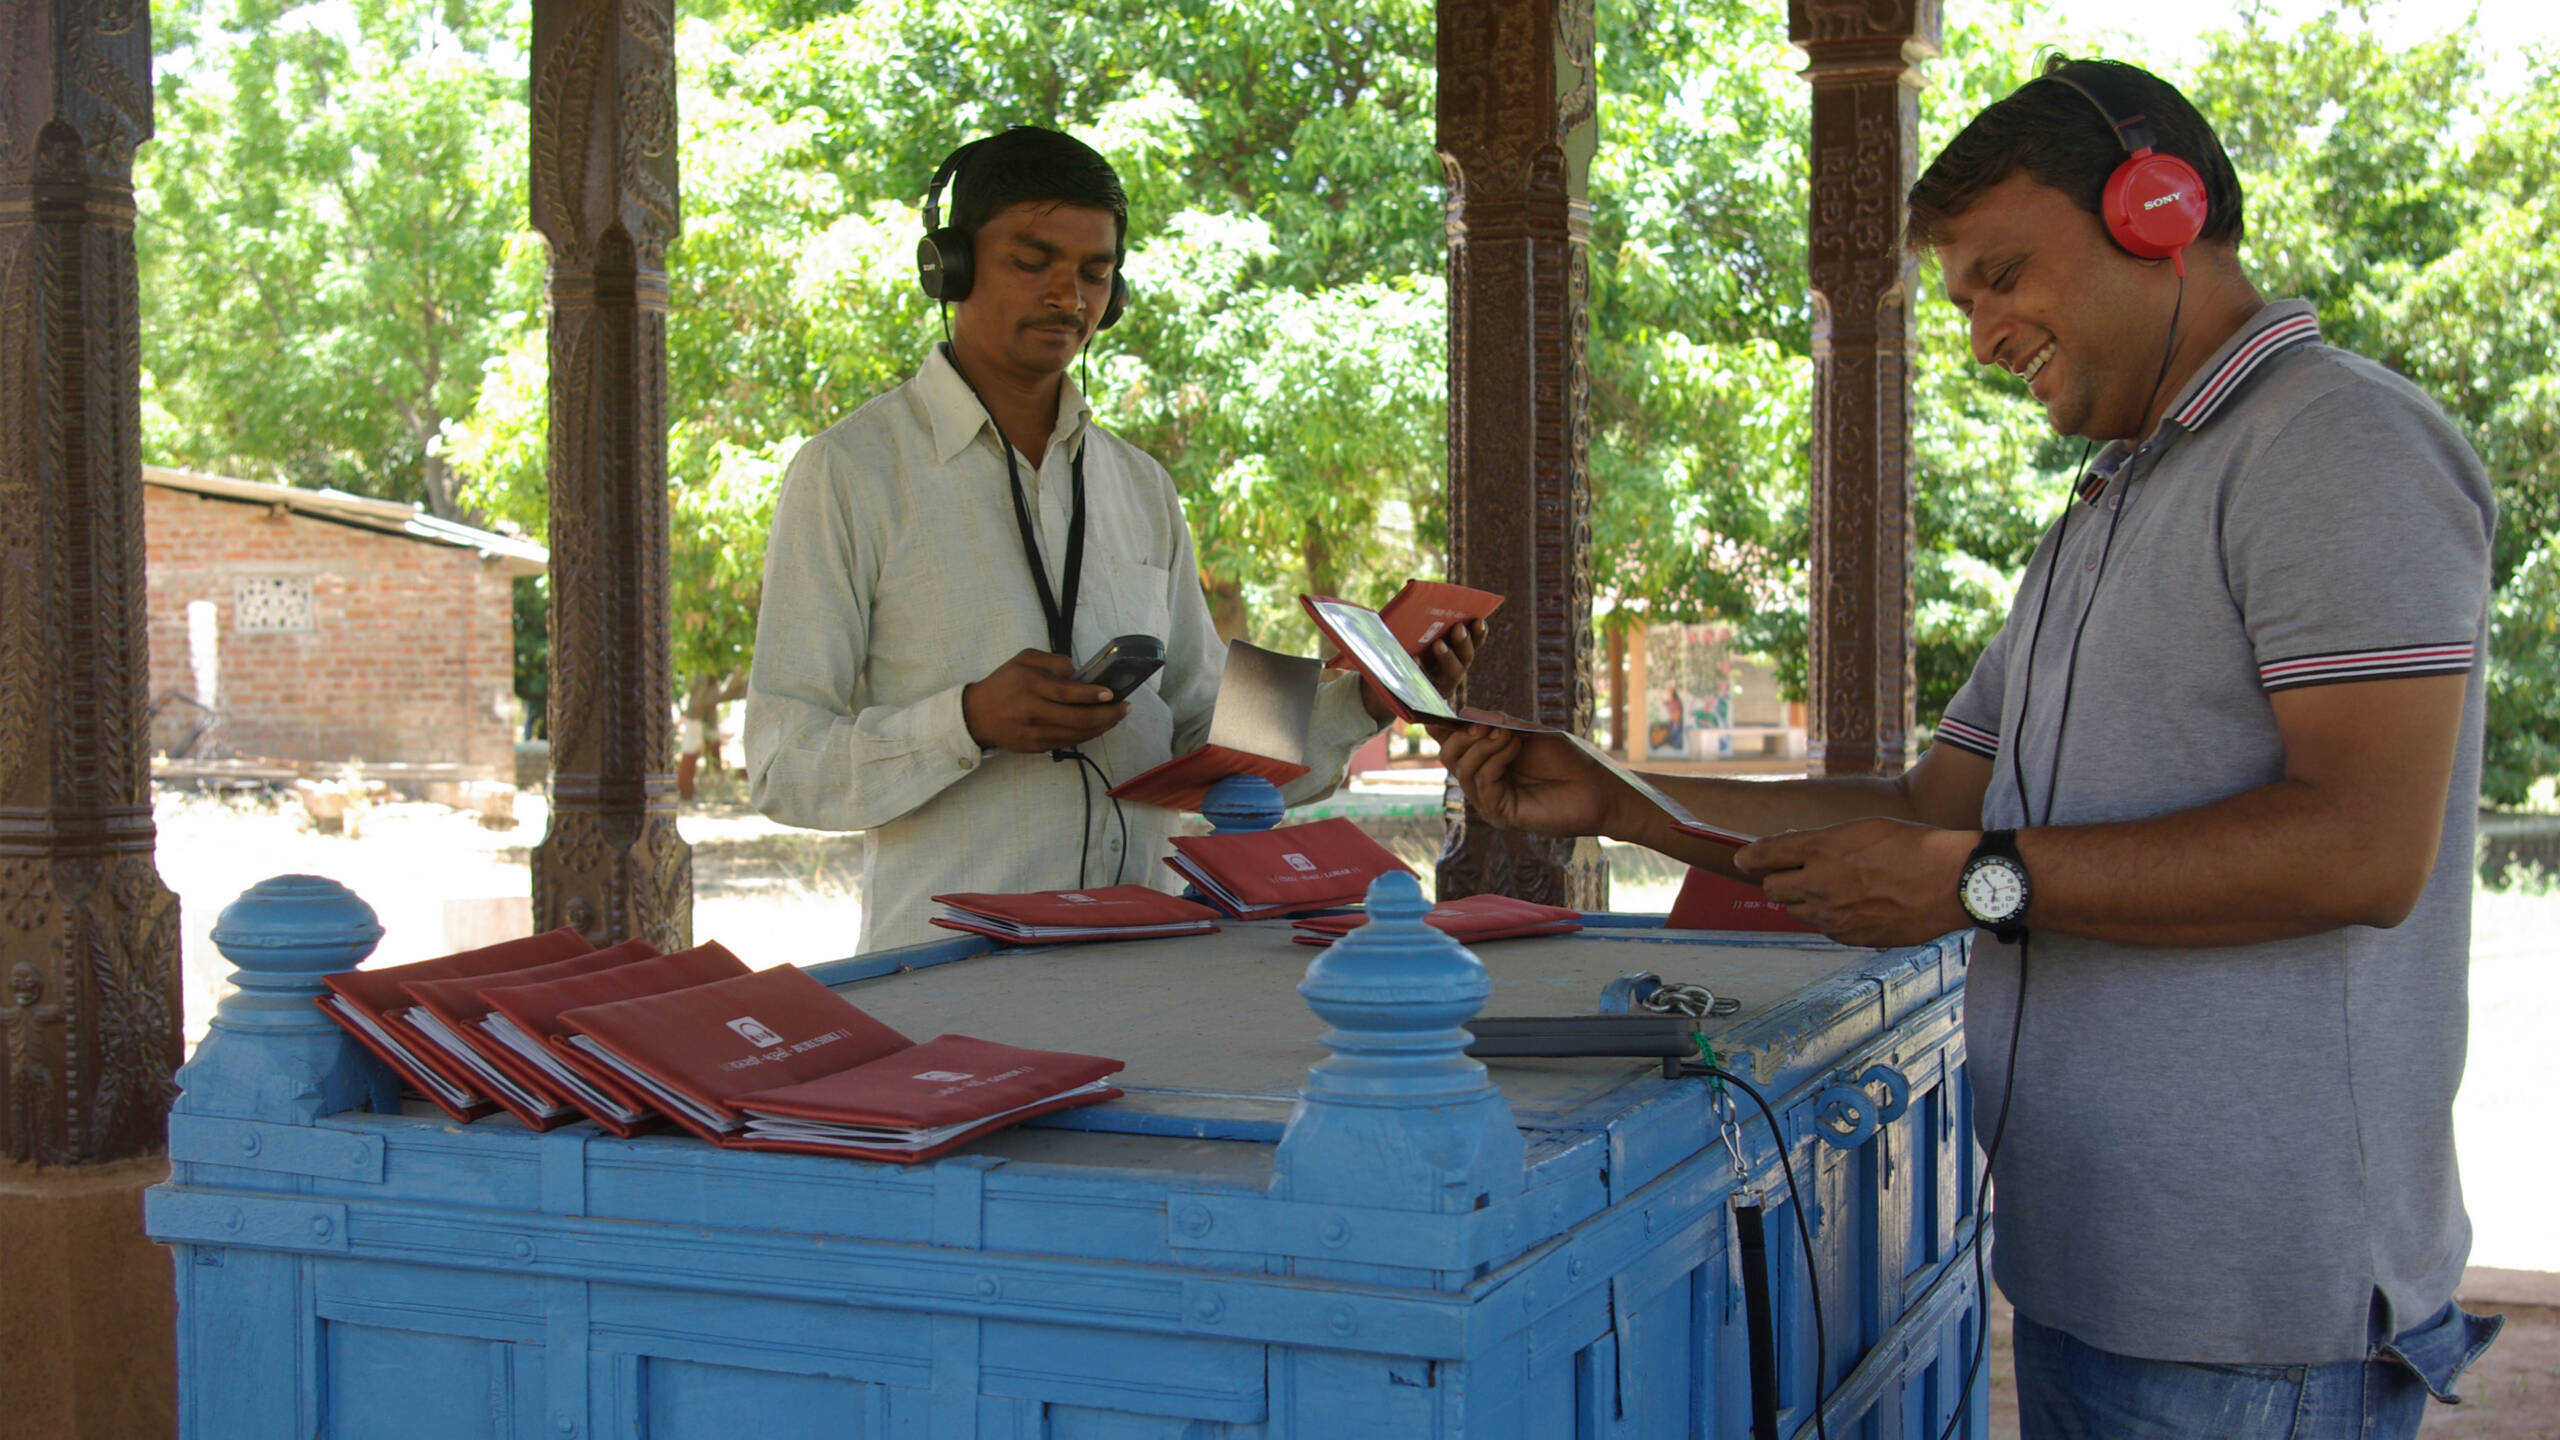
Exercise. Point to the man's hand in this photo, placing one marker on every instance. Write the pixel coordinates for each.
(1445, 660)
(1030, 705)
(1869, 882)
(1539, 783)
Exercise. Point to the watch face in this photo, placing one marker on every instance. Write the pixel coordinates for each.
(1994, 890)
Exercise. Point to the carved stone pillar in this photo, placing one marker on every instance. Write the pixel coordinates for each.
(604, 196)
(89, 1009)
(1517, 130)
(88, 934)
(1865, 57)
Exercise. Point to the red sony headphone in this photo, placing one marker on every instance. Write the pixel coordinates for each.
(2154, 204)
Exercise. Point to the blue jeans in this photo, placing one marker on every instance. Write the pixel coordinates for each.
(2071, 1391)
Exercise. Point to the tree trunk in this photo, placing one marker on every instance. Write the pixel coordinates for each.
(1618, 687)
(1226, 607)
(1316, 550)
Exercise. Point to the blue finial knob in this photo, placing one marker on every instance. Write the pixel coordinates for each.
(284, 933)
(1399, 1112)
(1242, 803)
(270, 1053)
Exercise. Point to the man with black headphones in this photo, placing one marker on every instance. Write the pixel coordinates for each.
(941, 559)
(2207, 800)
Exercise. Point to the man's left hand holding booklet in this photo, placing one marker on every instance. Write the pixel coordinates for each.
(758, 1060)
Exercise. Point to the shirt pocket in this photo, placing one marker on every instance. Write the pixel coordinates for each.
(1134, 603)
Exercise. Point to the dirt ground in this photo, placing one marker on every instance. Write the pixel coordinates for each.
(439, 880)
(2512, 1394)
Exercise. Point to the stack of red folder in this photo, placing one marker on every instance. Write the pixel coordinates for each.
(370, 1004)
(448, 1013)
(773, 1060)
(1049, 917)
(1261, 873)
(533, 1045)
(1472, 920)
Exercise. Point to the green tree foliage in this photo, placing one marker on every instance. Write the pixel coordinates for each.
(329, 202)
(2414, 208)
(334, 203)
(1700, 348)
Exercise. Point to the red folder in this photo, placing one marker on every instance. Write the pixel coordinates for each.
(1423, 611)
(525, 1022)
(1473, 919)
(922, 1100)
(691, 1051)
(446, 1015)
(1182, 782)
(1111, 912)
(1370, 647)
(1709, 901)
(368, 1003)
(1257, 727)
(1275, 872)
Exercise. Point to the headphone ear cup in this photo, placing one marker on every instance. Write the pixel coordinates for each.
(944, 264)
(1119, 301)
(2155, 205)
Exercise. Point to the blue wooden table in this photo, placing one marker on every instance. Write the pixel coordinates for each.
(1284, 1230)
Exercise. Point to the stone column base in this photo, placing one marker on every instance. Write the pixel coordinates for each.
(88, 1307)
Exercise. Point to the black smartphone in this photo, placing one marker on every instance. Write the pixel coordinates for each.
(1123, 665)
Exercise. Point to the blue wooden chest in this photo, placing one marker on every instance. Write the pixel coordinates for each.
(1284, 1230)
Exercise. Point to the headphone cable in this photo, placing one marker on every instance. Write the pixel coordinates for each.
(2053, 781)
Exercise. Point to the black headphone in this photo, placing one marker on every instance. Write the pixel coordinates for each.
(945, 258)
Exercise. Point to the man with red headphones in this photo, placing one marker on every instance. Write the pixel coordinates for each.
(2207, 802)
(942, 558)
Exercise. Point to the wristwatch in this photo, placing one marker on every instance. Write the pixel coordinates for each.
(1993, 888)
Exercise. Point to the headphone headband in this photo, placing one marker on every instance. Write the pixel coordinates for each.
(946, 258)
(2134, 131)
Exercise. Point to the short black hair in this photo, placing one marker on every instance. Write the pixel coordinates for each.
(2052, 132)
(1027, 163)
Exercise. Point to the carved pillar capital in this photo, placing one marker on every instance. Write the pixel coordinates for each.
(1864, 68)
(1517, 131)
(604, 195)
(89, 1027)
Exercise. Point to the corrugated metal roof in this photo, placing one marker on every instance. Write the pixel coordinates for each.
(389, 517)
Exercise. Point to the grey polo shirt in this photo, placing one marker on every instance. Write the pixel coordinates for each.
(2222, 1154)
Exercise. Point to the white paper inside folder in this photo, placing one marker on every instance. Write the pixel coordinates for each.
(1265, 702)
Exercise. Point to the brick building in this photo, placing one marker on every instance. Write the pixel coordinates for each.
(318, 627)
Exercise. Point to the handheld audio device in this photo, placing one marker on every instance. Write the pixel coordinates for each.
(946, 264)
(2154, 205)
(1122, 665)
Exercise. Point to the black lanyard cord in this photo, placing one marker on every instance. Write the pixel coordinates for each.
(1059, 610)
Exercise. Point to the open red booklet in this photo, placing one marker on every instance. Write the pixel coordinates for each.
(923, 1100)
(1258, 726)
(524, 1022)
(1276, 872)
(1374, 651)
(368, 1004)
(1111, 912)
(694, 1052)
(446, 1017)
(1475, 918)
(1425, 610)
(1709, 901)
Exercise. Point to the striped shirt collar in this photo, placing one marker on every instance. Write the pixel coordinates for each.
(2273, 330)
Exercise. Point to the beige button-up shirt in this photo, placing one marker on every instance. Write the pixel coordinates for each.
(895, 576)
